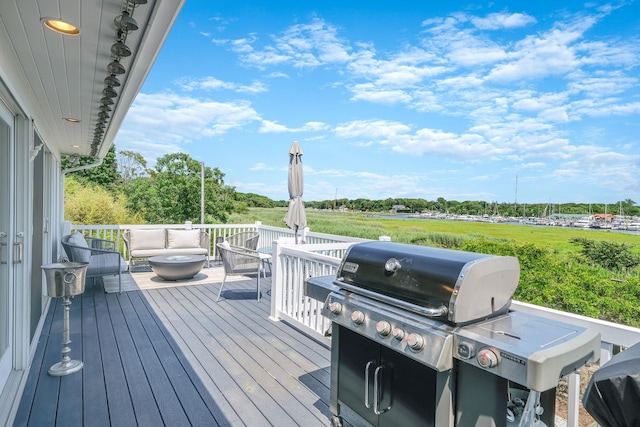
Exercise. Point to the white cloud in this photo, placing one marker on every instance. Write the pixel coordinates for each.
(467, 147)
(556, 114)
(212, 83)
(301, 46)
(371, 129)
(497, 21)
(168, 118)
(369, 92)
(274, 127)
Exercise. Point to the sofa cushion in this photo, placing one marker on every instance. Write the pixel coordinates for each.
(79, 255)
(146, 239)
(106, 263)
(183, 239)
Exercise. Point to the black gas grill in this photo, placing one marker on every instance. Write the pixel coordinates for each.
(425, 336)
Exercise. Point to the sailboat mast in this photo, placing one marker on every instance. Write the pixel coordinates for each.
(515, 202)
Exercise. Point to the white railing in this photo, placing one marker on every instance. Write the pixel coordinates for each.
(268, 234)
(289, 271)
(293, 264)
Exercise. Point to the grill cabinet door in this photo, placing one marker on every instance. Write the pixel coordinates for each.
(413, 392)
(355, 353)
(408, 392)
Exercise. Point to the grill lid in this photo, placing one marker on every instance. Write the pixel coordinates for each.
(459, 287)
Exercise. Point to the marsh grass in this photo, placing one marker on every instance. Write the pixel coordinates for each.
(438, 232)
(553, 272)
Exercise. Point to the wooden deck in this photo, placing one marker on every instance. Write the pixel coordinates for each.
(176, 357)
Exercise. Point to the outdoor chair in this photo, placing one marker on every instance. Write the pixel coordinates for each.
(240, 262)
(102, 255)
(245, 239)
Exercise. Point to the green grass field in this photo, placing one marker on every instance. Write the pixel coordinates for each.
(412, 231)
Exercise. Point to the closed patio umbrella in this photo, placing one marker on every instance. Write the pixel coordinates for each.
(296, 218)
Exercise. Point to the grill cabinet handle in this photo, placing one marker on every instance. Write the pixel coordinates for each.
(366, 383)
(377, 387)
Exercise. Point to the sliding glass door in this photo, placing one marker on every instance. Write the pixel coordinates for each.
(7, 329)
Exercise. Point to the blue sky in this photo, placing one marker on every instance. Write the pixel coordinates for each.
(402, 98)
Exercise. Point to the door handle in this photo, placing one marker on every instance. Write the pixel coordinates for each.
(377, 387)
(3, 246)
(367, 370)
(17, 252)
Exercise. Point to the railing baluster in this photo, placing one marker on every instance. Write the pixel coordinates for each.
(573, 397)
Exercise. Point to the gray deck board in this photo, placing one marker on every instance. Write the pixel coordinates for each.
(174, 356)
(263, 371)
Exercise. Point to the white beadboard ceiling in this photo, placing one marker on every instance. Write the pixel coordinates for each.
(54, 76)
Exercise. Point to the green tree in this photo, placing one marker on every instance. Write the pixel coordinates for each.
(143, 199)
(171, 194)
(131, 165)
(105, 175)
(252, 200)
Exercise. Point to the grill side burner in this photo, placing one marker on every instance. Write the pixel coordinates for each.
(424, 337)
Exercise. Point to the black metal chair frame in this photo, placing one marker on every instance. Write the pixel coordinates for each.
(98, 248)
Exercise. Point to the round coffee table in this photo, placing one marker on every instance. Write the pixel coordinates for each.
(177, 267)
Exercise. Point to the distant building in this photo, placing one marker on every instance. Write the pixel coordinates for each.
(396, 208)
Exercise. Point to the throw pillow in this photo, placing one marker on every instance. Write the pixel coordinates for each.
(78, 254)
(146, 238)
(183, 239)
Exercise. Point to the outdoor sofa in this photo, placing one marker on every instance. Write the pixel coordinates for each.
(148, 242)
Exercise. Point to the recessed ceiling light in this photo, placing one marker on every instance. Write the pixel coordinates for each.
(75, 146)
(72, 120)
(61, 27)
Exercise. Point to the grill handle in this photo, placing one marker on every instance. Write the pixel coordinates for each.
(366, 383)
(377, 386)
(425, 311)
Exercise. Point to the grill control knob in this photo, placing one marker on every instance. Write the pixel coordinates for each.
(488, 358)
(398, 334)
(383, 327)
(357, 317)
(415, 341)
(335, 307)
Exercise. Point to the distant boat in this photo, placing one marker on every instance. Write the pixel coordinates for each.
(583, 223)
(633, 226)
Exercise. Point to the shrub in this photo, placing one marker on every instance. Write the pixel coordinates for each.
(610, 255)
(442, 240)
(92, 204)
